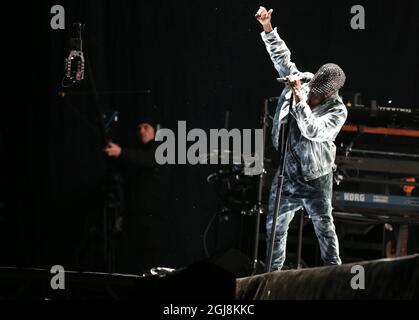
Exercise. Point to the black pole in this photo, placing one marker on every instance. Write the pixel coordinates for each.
(108, 223)
(282, 163)
(259, 210)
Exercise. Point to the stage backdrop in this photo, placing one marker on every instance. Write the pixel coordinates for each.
(186, 60)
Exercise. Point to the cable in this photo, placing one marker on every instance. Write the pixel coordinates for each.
(206, 234)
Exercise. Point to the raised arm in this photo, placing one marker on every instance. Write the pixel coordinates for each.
(264, 17)
(276, 47)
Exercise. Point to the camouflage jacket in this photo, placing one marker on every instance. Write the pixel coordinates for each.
(319, 127)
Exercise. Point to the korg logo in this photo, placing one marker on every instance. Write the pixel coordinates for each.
(354, 197)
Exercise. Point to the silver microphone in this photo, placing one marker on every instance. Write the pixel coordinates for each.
(304, 77)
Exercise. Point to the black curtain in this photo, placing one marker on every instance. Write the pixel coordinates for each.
(199, 59)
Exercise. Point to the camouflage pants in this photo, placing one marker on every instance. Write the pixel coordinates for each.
(319, 210)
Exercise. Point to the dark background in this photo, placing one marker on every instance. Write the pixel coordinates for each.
(199, 59)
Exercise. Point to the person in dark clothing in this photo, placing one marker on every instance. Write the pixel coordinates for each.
(145, 226)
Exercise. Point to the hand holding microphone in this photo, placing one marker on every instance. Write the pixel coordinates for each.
(294, 83)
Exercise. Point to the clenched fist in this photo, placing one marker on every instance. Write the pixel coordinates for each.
(264, 17)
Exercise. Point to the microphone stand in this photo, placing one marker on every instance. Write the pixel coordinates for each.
(113, 202)
(284, 152)
(112, 207)
(259, 210)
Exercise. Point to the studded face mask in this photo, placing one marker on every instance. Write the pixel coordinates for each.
(329, 79)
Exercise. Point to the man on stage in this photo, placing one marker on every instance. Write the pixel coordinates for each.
(146, 228)
(318, 115)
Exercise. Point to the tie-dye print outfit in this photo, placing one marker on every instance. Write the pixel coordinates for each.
(308, 177)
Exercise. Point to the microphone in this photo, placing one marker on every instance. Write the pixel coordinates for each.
(304, 77)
